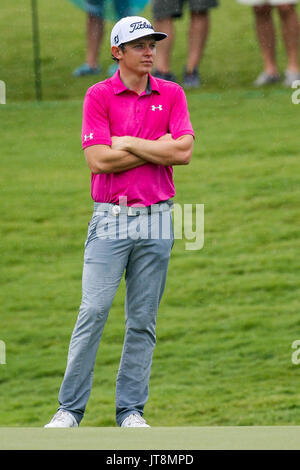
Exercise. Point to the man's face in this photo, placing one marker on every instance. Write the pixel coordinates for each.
(138, 56)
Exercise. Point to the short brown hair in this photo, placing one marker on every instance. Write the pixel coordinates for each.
(122, 47)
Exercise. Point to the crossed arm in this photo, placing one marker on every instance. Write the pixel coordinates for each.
(129, 152)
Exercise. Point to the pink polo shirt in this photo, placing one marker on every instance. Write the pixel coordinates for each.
(111, 109)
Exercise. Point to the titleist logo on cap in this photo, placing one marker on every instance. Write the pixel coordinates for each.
(133, 27)
(140, 25)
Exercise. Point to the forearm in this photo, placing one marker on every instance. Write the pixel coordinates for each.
(102, 159)
(165, 152)
(118, 161)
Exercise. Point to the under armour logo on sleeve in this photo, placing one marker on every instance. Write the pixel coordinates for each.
(88, 137)
(159, 107)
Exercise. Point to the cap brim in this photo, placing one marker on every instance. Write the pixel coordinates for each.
(156, 36)
(159, 36)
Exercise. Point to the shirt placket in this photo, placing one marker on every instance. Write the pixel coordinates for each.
(139, 109)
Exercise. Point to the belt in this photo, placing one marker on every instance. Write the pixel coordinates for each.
(115, 209)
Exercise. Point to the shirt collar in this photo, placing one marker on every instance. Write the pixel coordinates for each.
(152, 84)
(119, 87)
(117, 84)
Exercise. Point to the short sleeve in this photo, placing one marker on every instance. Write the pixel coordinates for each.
(180, 123)
(95, 121)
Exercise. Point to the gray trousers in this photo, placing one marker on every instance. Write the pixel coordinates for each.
(140, 246)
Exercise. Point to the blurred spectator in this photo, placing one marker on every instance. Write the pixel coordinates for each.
(267, 39)
(164, 12)
(94, 34)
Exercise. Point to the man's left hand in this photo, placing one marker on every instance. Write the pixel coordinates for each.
(120, 143)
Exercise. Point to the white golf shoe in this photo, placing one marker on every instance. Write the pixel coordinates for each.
(62, 419)
(290, 77)
(134, 421)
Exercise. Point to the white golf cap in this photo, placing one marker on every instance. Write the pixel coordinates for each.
(131, 28)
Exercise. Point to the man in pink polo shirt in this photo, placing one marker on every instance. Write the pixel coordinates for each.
(135, 128)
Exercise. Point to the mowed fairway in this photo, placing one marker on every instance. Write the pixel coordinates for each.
(160, 438)
(230, 312)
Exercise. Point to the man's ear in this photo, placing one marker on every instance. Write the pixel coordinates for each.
(116, 52)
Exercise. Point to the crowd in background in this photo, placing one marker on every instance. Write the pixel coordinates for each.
(165, 12)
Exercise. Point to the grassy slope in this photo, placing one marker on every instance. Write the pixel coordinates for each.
(229, 314)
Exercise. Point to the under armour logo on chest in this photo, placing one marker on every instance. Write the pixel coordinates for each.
(159, 107)
(88, 137)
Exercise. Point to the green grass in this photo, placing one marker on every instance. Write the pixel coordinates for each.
(161, 438)
(230, 311)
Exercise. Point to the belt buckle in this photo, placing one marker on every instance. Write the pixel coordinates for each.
(138, 210)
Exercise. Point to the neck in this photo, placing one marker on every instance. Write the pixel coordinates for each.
(133, 81)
